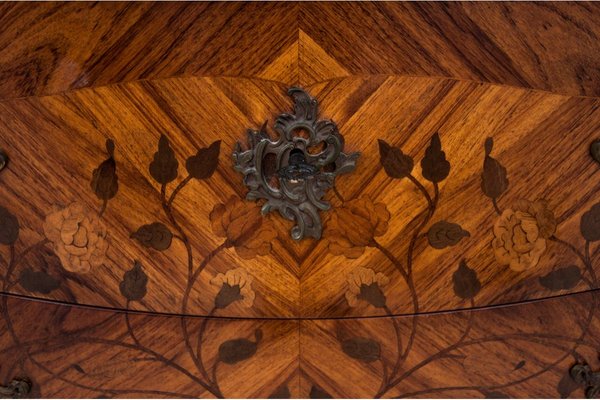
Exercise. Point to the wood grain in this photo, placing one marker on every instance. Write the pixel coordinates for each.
(542, 162)
(458, 260)
(54, 47)
(532, 45)
(308, 278)
(70, 352)
(138, 115)
(520, 351)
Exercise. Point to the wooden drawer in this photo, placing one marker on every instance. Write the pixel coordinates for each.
(523, 350)
(450, 250)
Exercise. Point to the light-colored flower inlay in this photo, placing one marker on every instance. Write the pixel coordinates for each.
(353, 226)
(236, 285)
(79, 238)
(241, 222)
(520, 234)
(364, 284)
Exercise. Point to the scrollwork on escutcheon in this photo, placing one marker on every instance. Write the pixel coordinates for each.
(297, 178)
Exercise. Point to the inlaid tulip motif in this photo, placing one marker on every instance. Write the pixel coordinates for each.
(366, 285)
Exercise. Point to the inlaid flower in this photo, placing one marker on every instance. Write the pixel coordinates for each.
(365, 285)
(520, 234)
(78, 237)
(353, 226)
(236, 285)
(9, 227)
(244, 226)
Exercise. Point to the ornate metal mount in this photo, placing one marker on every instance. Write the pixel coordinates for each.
(294, 171)
(16, 389)
(589, 380)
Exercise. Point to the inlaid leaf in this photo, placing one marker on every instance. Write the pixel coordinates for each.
(154, 235)
(395, 163)
(566, 386)
(434, 164)
(204, 163)
(595, 150)
(282, 392)
(105, 182)
(493, 179)
(466, 283)
(78, 368)
(520, 365)
(163, 167)
(443, 234)
(562, 278)
(38, 281)
(236, 350)
(367, 350)
(9, 227)
(318, 393)
(133, 285)
(590, 223)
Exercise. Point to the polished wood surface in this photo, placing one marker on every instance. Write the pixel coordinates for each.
(459, 259)
(52, 47)
(308, 278)
(518, 351)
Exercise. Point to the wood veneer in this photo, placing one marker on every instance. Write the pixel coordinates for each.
(516, 351)
(51, 47)
(306, 278)
(458, 260)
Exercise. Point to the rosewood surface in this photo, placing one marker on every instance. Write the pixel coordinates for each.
(518, 351)
(459, 259)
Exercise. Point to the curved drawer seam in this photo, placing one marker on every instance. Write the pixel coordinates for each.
(315, 318)
(306, 85)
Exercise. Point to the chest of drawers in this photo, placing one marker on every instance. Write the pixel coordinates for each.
(450, 250)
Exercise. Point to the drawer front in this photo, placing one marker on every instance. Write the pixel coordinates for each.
(524, 350)
(299, 199)
(455, 180)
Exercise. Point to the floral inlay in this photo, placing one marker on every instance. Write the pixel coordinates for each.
(353, 226)
(9, 227)
(366, 285)
(79, 238)
(244, 227)
(236, 286)
(520, 234)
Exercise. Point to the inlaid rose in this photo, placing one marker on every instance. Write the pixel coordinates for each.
(244, 227)
(520, 234)
(353, 226)
(78, 237)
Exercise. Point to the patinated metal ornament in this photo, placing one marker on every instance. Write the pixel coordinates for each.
(17, 389)
(294, 171)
